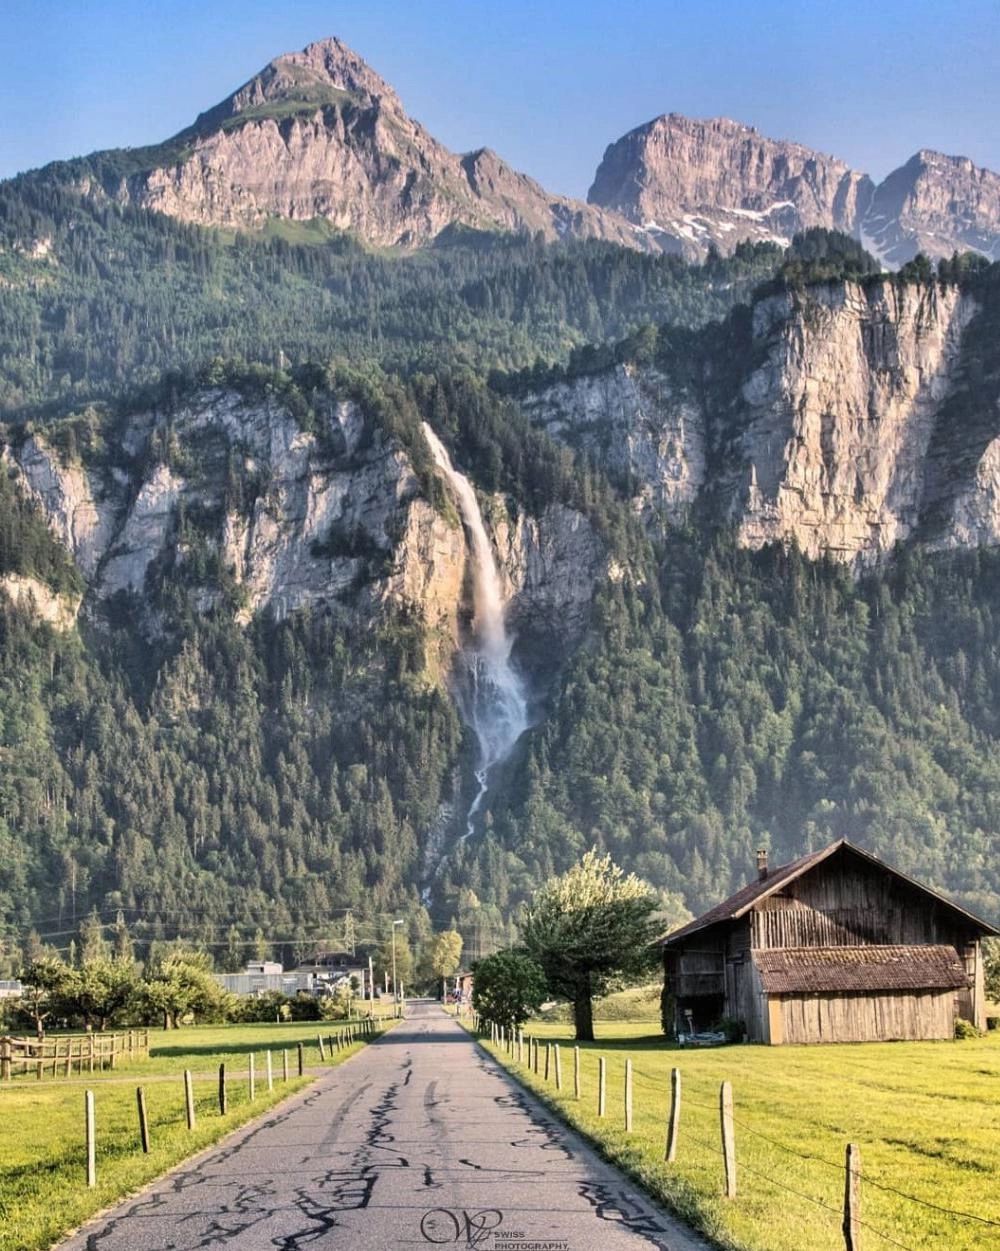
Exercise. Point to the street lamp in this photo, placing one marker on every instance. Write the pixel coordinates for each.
(395, 988)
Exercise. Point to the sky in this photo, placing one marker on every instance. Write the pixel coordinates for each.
(548, 84)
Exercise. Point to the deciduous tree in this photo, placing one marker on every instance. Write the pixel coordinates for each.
(589, 929)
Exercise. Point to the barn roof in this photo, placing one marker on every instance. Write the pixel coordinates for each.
(797, 970)
(738, 905)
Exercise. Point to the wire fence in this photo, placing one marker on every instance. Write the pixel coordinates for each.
(852, 1177)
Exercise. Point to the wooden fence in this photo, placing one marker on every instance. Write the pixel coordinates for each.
(63, 1055)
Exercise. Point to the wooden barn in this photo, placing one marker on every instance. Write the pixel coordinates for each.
(834, 947)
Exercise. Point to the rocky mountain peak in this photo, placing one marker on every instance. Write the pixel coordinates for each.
(323, 73)
(935, 204)
(716, 181)
(318, 135)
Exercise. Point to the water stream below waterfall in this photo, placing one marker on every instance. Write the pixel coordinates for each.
(491, 694)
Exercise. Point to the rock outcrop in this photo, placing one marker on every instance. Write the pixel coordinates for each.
(835, 434)
(58, 611)
(639, 426)
(319, 135)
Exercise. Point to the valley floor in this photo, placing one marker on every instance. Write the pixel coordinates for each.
(923, 1114)
(421, 1141)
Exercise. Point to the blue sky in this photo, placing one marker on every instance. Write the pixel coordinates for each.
(547, 84)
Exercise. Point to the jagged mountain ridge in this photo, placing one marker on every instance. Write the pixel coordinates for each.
(694, 184)
(318, 135)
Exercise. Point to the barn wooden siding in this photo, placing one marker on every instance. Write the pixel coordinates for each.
(873, 1017)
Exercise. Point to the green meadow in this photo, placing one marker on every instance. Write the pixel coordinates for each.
(43, 1191)
(926, 1117)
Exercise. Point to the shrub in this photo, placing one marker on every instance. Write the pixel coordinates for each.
(965, 1029)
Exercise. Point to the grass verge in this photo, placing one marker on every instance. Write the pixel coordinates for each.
(43, 1190)
(923, 1114)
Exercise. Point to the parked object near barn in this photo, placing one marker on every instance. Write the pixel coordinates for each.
(834, 947)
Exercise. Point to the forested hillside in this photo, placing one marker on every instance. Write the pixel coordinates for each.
(239, 778)
(97, 299)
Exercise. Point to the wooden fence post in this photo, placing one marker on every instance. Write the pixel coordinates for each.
(188, 1099)
(223, 1101)
(269, 1069)
(558, 1062)
(284, 1065)
(140, 1099)
(302, 1061)
(91, 1134)
(576, 1072)
(728, 1137)
(628, 1095)
(6, 1047)
(670, 1155)
(252, 1077)
(602, 1085)
(852, 1199)
(322, 1049)
(520, 1046)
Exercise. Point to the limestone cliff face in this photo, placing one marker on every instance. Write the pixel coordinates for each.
(319, 135)
(252, 507)
(839, 418)
(639, 426)
(74, 503)
(836, 435)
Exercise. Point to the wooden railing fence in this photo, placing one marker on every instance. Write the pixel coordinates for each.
(63, 1055)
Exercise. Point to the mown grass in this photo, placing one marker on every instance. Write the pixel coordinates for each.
(43, 1189)
(925, 1115)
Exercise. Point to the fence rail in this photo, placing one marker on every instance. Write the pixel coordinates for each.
(62, 1055)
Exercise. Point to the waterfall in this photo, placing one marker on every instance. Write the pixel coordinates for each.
(492, 699)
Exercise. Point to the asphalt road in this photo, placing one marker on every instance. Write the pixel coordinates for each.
(419, 1141)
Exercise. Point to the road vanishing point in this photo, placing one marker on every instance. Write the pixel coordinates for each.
(421, 1140)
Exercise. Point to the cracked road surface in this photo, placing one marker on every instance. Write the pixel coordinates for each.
(421, 1140)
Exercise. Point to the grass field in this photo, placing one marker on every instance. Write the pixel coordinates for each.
(925, 1115)
(42, 1158)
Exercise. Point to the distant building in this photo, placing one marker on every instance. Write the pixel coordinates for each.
(263, 976)
(335, 966)
(10, 989)
(834, 947)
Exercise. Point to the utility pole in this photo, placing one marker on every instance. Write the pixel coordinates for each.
(395, 984)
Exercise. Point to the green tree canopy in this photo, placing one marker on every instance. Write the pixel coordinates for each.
(181, 983)
(444, 953)
(590, 929)
(508, 987)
